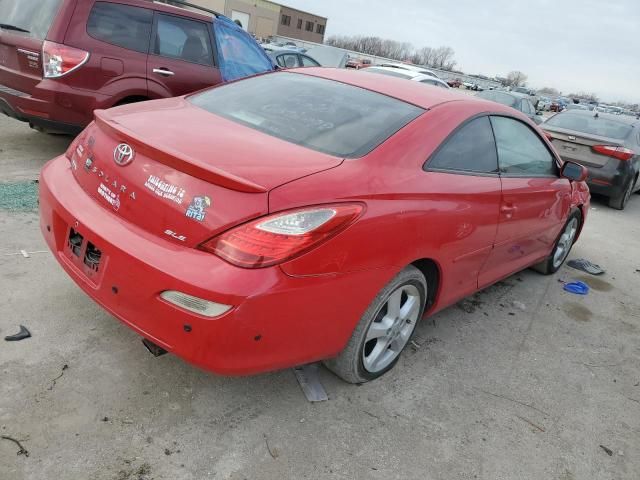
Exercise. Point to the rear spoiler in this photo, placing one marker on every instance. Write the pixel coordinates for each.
(174, 159)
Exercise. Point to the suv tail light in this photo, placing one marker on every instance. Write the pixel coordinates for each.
(280, 237)
(614, 151)
(59, 60)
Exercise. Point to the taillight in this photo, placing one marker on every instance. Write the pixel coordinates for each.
(59, 60)
(621, 153)
(280, 237)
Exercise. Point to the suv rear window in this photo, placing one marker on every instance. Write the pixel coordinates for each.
(589, 124)
(320, 114)
(35, 16)
(122, 25)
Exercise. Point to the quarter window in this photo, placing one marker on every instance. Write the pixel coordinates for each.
(183, 39)
(520, 150)
(122, 25)
(308, 61)
(470, 149)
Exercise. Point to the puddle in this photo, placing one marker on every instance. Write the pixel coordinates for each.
(596, 283)
(578, 312)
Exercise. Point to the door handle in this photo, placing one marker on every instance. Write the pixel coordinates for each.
(508, 210)
(163, 71)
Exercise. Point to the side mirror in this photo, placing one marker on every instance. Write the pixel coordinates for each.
(574, 172)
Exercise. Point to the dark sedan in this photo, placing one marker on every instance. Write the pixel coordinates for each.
(515, 100)
(292, 59)
(608, 145)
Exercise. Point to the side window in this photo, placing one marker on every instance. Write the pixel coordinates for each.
(122, 25)
(288, 60)
(308, 61)
(520, 150)
(183, 39)
(470, 149)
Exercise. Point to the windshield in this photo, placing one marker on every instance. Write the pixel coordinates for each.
(33, 16)
(503, 98)
(320, 114)
(591, 125)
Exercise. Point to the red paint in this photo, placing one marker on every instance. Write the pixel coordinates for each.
(477, 229)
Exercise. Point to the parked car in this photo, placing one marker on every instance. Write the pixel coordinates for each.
(559, 104)
(476, 87)
(61, 59)
(544, 104)
(455, 83)
(410, 68)
(304, 215)
(607, 145)
(408, 75)
(358, 63)
(519, 101)
(292, 59)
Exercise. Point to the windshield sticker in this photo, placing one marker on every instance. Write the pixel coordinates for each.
(197, 209)
(165, 190)
(111, 198)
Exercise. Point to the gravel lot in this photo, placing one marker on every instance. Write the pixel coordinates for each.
(490, 391)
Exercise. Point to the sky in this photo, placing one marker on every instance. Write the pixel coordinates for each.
(572, 45)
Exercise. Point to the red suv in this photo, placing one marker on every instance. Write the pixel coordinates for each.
(62, 59)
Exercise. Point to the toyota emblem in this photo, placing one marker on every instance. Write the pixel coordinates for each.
(123, 154)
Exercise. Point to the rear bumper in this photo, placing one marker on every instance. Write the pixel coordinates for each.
(610, 180)
(51, 105)
(277, 320)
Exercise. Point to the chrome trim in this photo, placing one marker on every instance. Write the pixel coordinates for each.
(11, 91)
(29, 52)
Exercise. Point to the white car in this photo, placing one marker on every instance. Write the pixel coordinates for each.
(410, 68)
(408, 75)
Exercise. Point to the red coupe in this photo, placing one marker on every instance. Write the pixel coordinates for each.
(305, 215)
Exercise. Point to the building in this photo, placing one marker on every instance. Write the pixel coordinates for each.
(301, 25)
(266, 19)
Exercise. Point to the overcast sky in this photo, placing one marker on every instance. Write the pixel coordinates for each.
(573, 45)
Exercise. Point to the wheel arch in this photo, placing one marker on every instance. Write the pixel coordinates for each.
(433, 274)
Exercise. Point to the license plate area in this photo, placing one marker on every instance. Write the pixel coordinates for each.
(84, 254)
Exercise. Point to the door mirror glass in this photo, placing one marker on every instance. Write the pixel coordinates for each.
(574, 172)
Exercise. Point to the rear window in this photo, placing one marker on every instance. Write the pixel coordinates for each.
(603, 127)
(319, 114)
(34, 16)
(122, 25)
(503, 98)
(388, 72)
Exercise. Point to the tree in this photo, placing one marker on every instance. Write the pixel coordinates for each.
(441, 57)
(590, 97)
(516, 79)
(552, 92)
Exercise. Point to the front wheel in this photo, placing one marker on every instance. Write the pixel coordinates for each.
(562, 247)
(384, 330)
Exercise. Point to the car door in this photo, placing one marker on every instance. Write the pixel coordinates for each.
(463, 176)
(182, 57)
(535, 200)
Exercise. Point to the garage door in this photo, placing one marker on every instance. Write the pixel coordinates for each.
(242, 17)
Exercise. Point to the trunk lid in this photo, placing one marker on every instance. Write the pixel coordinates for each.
(25, 24)
(576, 146)
(192, 174)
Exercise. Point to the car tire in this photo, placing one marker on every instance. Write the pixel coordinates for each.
(384, 330)
(561, 249)
(620, 202)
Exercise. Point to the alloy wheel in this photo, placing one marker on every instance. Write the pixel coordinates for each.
(565, 242)
(391, 328)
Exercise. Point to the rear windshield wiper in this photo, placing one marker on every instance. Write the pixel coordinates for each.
(13, 27)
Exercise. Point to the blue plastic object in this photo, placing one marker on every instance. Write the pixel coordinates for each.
(579, 288)
(239, 55)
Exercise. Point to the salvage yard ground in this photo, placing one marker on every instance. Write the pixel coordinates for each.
(521, 381)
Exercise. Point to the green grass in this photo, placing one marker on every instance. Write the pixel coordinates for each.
(19, 197)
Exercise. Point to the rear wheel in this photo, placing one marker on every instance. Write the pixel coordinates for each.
(620, 202)
(562, 247)
(384, 330)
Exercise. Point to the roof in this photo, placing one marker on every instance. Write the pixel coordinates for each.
(410, 92)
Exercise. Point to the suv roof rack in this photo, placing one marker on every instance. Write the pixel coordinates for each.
(180, 3)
